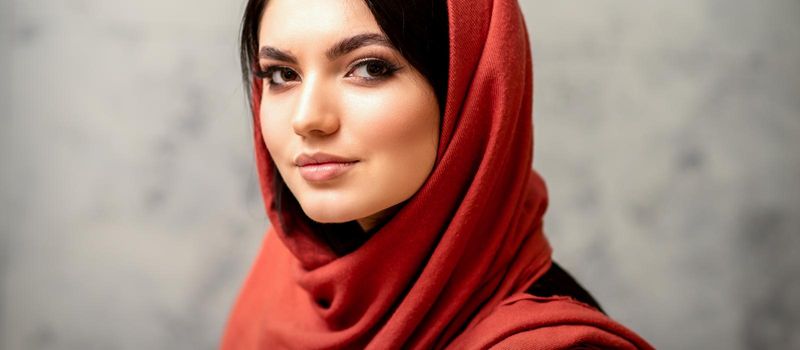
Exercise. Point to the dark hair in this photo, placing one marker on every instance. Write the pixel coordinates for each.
(418, 29)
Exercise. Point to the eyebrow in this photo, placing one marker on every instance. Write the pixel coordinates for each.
(276, 54)
(339, 49)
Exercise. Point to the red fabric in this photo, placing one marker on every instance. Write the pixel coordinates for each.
(444, 269)
(528, 322)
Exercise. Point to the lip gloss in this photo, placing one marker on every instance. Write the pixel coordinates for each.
(324, 171)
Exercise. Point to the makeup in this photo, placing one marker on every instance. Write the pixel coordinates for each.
(320, 167)
(325, 171)
(332, 82)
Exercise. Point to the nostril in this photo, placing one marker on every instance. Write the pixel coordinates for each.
(323, 303)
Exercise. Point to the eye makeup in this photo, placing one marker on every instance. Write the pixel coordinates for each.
(370, 69)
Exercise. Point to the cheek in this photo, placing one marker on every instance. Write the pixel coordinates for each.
(398, 127)
(276, 132)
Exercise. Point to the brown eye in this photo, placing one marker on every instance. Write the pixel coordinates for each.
(373, 69)
(282, 75)
(376, 68)
(278, 75)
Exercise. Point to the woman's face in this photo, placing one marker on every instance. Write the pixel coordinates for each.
(351, 126)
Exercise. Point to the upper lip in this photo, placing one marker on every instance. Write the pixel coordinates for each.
(320, 158)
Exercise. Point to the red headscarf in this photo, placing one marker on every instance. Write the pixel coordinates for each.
(449, 268)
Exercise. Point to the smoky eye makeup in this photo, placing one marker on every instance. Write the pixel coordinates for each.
(372, 69)
(277, 72)
(276, 76)
(374, 65)
(367, 68)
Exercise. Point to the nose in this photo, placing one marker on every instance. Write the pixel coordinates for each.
(315, 114)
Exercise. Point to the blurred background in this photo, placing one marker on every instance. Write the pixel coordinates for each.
(668, 133)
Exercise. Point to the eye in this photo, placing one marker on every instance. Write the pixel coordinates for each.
(373, 69)
(278, 75)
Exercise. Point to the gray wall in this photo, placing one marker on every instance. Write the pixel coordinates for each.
(668, 132)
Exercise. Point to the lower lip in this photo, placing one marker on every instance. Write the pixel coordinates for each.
(325, 171)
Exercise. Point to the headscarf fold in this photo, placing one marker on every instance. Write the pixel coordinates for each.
(468, 239)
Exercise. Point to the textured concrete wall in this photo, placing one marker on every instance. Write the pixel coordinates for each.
(668, 132)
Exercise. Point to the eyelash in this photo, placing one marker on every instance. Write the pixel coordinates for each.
(389, 70)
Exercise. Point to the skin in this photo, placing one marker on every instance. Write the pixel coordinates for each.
(367, 104)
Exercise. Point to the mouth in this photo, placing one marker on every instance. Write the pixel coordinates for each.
(320, 167)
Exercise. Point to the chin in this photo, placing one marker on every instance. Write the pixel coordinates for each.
(332, 212)
(328, 218)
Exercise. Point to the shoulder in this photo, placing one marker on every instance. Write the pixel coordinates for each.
(525, 321)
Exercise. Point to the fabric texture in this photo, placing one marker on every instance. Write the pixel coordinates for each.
(448, 270)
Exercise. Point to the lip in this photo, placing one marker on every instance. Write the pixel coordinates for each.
(322, 166)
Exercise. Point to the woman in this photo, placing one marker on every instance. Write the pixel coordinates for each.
(394, 142)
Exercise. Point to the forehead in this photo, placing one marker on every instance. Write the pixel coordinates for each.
(291, 23)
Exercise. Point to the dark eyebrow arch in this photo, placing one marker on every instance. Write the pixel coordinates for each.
(347, 45)
(276, 54)
(343, 47)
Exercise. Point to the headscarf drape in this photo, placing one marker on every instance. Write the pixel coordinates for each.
(470, 238)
